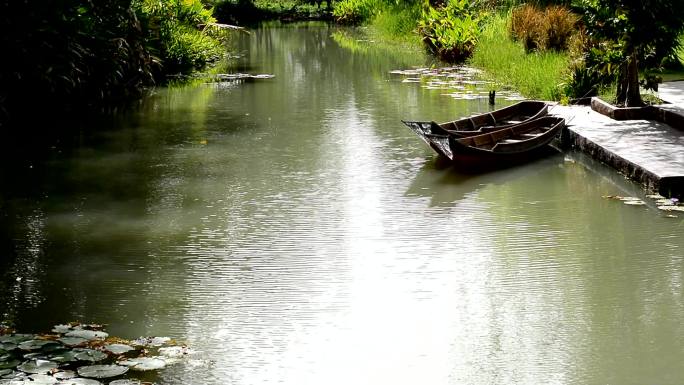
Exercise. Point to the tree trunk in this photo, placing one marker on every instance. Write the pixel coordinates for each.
(628, 84)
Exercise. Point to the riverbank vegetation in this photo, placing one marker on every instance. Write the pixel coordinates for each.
(558, 50)
(72, 54)
(77, 54)
(535, 74)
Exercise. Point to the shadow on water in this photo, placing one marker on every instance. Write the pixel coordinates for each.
(445, 183)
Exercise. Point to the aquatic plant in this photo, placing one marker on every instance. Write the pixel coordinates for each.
(81, 354)
(451, 31)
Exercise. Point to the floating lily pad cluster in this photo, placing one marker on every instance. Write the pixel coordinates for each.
(664, 204)
(217, 78)
(667, 204)
(462, 81)
(77, 354)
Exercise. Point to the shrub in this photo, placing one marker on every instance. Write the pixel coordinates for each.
(550, 28)
(355, 11)
(526, 25)
(560, 24)
(177, 33)
(450, 31)
(70, 54)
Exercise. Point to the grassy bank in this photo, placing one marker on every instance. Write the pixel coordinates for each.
(535, 75)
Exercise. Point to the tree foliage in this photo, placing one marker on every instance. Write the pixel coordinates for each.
(632, 32)
(68, 54)
(84, 51)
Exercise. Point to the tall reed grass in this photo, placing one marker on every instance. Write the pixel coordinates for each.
(543, 28)
(536, 75)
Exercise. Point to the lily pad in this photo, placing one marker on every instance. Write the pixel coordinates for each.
(671, 208)
(42, 379)
(16, 338)
(9, 363)
(79, 381)
(125, 382)
(88, 334)
(89, 355)
(62, 329)
(35, 356)
(144, 363)
(33, 344)
(175, 351)
(101, 371)
(68, 356)
(7, 346)
(13, 382)
(118, 348)
(14, 374)
(37, 366)
(152, 341)
(72, 341)
(64, 374)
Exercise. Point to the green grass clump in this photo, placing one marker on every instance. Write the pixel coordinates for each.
(535, 75)
(398, 23)
(356, 11)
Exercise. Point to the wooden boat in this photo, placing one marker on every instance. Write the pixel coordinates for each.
(498, 148)
(482, 123)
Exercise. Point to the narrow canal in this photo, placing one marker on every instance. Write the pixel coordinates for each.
(294, 232)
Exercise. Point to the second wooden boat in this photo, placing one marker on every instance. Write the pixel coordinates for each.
(482, 123)
(498, 148)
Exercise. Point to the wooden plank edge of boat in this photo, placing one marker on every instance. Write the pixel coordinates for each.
(536, 107)
(500, 148)
(489, 123)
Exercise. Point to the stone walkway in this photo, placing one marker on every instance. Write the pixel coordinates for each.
(672, 92)
(649, 152)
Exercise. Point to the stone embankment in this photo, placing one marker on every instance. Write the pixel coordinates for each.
(646, 145)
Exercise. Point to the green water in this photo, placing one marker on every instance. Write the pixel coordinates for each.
(293, 231)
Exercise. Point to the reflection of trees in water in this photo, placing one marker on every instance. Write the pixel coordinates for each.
(24, 265)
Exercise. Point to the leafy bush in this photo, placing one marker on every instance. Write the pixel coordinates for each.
(451, 31)
(550, 28)
(177, 32)
(355, 11)
(70, 53)
(597, 68)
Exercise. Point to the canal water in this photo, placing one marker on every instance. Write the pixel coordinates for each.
(293, 231)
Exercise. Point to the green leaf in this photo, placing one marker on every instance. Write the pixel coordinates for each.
(102, 371)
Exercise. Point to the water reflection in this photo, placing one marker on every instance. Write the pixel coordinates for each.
(443, 184)
(25, 266)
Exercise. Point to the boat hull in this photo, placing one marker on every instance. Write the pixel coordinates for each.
(476, 125)
(501, 148)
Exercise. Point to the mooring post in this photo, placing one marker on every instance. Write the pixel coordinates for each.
(492, 97)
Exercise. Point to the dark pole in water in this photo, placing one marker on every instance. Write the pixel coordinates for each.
(492, 96)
